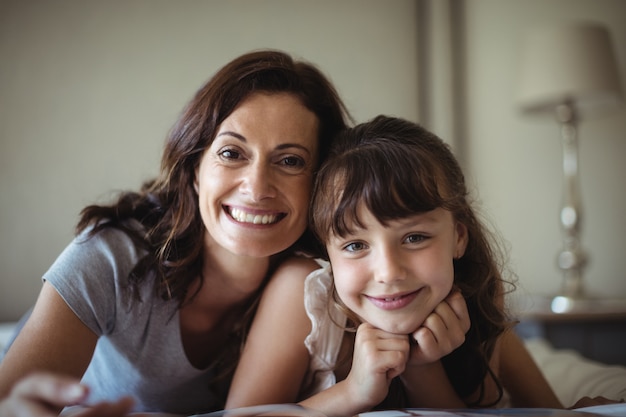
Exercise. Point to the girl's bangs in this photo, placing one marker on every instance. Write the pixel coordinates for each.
(390, 184)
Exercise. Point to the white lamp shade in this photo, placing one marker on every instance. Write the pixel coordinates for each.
(572, 62)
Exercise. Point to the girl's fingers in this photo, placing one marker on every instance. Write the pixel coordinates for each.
(457, 304)
(385, 352)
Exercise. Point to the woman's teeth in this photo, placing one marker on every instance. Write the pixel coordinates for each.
(243, 217)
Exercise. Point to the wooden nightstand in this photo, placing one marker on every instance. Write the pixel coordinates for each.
(597, 330)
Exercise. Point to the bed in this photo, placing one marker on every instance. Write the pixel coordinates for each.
(570, 375)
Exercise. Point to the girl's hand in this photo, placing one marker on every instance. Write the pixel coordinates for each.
(378, 358)
(442, 332)
(43, 395)
(591, 402)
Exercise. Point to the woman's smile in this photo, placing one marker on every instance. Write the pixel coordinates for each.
(264, 217)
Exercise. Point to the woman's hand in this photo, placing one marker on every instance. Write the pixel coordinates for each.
(43, 395)
(442, 332)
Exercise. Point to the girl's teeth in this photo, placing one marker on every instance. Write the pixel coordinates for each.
(244, 217)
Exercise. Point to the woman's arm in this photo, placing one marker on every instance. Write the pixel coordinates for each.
(53, 340)
(43, 394)
(275, 360)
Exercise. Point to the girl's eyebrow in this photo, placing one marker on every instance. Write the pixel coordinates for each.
(421, 218)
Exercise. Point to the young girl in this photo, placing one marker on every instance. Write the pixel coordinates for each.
(392, 209)
(410, 260)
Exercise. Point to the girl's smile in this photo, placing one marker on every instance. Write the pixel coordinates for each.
(393, 302)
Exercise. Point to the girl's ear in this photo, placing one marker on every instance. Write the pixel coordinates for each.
(462, 237)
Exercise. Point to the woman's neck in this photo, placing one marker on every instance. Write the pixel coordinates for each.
(216, 303)
(228, 279)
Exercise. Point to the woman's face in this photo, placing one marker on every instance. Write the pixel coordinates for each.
(254, 181)
(394, 276)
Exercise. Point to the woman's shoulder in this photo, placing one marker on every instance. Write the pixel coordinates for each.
(92, 274)
(300, 262)
(116, 242)
(297, 267)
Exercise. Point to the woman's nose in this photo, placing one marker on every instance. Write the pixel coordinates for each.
(258, 182)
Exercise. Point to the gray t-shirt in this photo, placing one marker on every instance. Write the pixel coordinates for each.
(139, 351)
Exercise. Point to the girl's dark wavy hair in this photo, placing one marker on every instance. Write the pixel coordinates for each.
(397, 169)
(172, 231)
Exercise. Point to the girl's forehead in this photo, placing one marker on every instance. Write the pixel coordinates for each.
(363, 218)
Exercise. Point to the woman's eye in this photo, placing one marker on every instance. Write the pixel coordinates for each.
(354, 247)
(415, 238)
(293, 161)
(229, 154)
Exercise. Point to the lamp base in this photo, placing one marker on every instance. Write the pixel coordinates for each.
(562, 308)
(585, 304)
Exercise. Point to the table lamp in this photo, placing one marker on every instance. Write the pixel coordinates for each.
(568, 69)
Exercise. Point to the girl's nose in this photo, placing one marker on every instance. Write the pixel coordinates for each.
(258, 182)
(389, 267)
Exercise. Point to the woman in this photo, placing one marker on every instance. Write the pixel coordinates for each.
(154, 296)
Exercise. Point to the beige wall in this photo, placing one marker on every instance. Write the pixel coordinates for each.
(88, 90)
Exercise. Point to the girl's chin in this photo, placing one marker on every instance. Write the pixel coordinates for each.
(397, 328)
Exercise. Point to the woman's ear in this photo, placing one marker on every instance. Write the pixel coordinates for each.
(462, 237)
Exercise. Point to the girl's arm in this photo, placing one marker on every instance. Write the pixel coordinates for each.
(428, 386)
(525, 382)
(521, 376)
(53, 340)
(275, 360)
(378, 358)
(425, 380)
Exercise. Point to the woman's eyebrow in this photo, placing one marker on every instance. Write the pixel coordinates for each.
(281, 146)
(293, 145)
(233, 134)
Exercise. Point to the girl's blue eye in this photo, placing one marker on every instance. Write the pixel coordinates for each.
(415, 238)
(354, 246)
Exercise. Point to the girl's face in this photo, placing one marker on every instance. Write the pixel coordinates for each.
(393, 277)
(254, 181)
